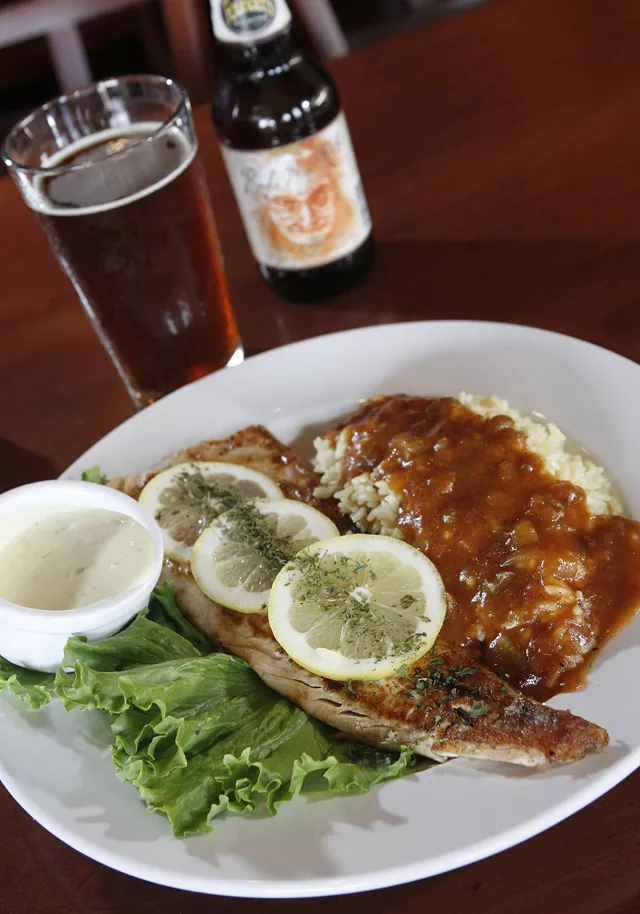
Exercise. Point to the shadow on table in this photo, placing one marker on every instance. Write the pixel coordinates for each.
(583, 288)
(19, 466)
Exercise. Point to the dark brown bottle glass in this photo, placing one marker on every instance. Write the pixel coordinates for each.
(289, 156)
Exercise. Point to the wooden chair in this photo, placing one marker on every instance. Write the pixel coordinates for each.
(59, 21)
(323, 27)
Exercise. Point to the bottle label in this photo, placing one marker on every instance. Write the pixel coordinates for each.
(248, 21)
(302, 204)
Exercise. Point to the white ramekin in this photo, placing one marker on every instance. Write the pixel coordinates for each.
(35, 638)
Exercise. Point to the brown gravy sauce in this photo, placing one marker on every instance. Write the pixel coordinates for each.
(536, 582)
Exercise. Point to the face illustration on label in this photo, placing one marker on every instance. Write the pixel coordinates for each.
(302, 205)
(300, 199)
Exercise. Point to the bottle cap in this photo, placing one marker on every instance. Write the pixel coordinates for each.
(248, 21)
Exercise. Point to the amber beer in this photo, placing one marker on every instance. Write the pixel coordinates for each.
(127, 212)
(288, 152)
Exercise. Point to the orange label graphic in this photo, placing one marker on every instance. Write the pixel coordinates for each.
(302, 204)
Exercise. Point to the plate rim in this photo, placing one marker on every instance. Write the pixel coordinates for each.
(318, 887)
(268, 354)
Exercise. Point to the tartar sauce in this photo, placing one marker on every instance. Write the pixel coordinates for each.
(74, 558)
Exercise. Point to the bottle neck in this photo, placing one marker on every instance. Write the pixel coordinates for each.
(266, 58)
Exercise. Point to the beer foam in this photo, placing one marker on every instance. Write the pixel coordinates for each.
(115, 177)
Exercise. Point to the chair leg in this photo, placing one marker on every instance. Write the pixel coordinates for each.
(152, 38)
(70, 61)
(323, 26)
(189, 35)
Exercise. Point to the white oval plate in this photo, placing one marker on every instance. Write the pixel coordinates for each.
(57, 764)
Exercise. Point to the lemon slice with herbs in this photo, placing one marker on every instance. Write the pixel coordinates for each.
(187, 497)
(237, 558)
(357, 607)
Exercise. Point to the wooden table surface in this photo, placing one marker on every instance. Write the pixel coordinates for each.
(500, 150)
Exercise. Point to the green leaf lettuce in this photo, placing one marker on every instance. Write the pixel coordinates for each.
(198, 732)
(94, 474)
(27, 685)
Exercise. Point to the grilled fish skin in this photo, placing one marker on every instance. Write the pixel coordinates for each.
(254, 447)
(442, 706)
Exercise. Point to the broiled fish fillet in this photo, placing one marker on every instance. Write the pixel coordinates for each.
(444, 706)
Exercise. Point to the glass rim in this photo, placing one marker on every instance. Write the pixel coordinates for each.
(112, 81)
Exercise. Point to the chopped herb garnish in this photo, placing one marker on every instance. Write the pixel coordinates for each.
(463, 671)
(343, 587)
(450, 682)
(192, 502)
(412, 643)
(477, 709)
(352, 688)
(246, 526)
(207, 495)
(408, 600)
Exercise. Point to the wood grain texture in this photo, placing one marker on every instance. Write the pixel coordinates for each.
(499, 151)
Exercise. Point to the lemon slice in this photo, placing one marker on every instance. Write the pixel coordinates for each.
(357, 607)
(236, 559)
(185, 498)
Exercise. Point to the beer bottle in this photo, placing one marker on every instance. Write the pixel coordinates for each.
(288, 153)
